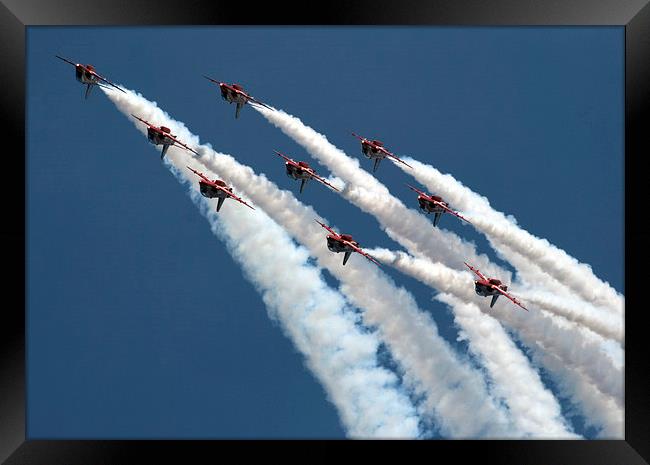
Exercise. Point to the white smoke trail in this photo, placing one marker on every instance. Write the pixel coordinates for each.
(599, 410)
(500, 229)
(454, 391)
(596, 319)
(410, 229)
(316, 318)
(591, 365)
(556, 298)
(533, 407)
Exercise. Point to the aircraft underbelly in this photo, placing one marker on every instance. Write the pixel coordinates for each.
(156, 139)
(431, 208)
(209, 192)
(300, 175)
(236, 98)
(484, 291)
(370, 153)
(335, 246)
(86, 80)
(296, 174)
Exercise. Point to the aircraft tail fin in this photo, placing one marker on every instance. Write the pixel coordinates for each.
(239, 105)
(163, 151)
(220, 202)
(346, 257)
(89, 87)
(302, 185)
(436, 218)
(494, 299)
(377, 160)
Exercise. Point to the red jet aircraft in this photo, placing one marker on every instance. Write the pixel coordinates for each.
(344, 243)
(301, 170)
(161, 135)
(491, 286)
(234, 93)
(434, 204)
(86, 74)
(375, 149)
(216, 188)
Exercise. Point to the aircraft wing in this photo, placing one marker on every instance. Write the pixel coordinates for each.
(185, 146)
(103, 85)
(365, 254)
(216, 82)
(319, 179)
(286, 158)
(328, 228)
(479, 274)
(66, 60)
(417, 190)
(393, 156)
(254, 100)
(359, 137)
(449, 210)
(497, 288)
(108, 82)
(202, 176)
(233, 196)
(144, 121)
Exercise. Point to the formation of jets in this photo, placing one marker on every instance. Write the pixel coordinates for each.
(297, 170)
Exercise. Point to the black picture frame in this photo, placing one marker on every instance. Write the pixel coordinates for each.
(16, 15)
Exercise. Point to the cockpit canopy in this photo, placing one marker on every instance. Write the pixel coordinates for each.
(165, 129)
(304, 164)
(378, 143)
(346, 237)
(237, 87)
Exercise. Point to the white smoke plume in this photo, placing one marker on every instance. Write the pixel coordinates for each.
(318, 320)
(591, 365)
(533, 408)
(553, 297)
(599, 410)
(596, 319)
(455, 392)
(500, 229)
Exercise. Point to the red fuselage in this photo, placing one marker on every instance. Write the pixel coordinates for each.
(85, 74)
(211, 192)
(485, 288)
(234, 93)
(372, 149)
(431, 207)
(302, 171)
(159, 136)
(338, 244)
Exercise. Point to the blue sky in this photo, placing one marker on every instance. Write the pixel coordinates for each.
(140, 324)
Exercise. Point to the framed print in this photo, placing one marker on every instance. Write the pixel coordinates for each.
(393, 223)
